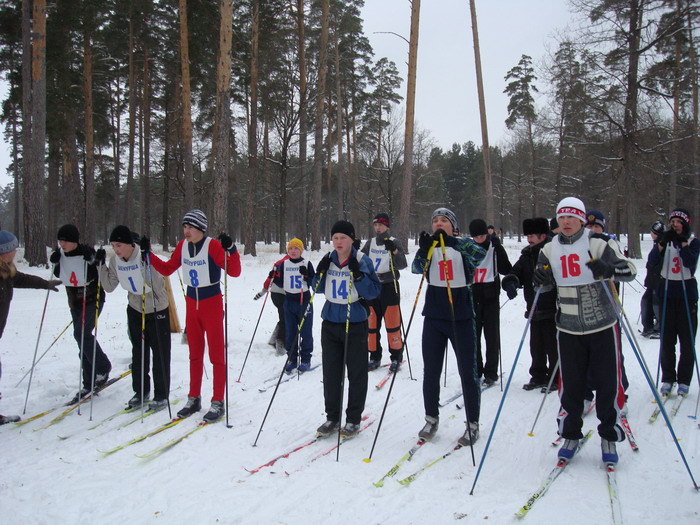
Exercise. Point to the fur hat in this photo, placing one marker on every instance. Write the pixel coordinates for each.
(196, 219)
(68, 233)
(8, 242)
(572, 206)
(536, 226)
(343, 227)
(449, 214)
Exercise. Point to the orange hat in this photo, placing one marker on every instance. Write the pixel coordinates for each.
(295, 243)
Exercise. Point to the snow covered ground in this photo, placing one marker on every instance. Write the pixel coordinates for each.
(203, 479)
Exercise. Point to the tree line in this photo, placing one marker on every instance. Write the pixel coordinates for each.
(276, 119)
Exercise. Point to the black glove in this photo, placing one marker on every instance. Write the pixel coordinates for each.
(100, 256)
(226, 242)
(303, 270)
(89, 254)
(145, 245)
(682, 237)
(356, 244)
(260, 294)
(425, 241)
(55, 256)
(354, 267)
(324, 264)
(440, 233)
(541, 277)
(495, 242)
(389, 245)
(272, 273)
(601, 269)
(510, 285)
(53, 285)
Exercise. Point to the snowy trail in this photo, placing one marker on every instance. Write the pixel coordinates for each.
(203, 479)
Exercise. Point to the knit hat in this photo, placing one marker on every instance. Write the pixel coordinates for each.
(448, 214)
(382, 218)
(344, 227)
(658, 227)
(573, 207)
(595, 217)
(477, 227)
(682, 214)
(122, 234)
(553, 224)
(68, 233)
(536, 226)
(197, 219)
(295, 243)
(8, 242)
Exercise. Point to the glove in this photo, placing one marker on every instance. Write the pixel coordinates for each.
(145, 245)
(89, 254)
(510, 285)
(53, 285)
(440, 233)
(425, 241)
(682, 237)
(354, 267)
(356, 244)
(324, 264)
(601, 269)
(55, 256)
(303, 270)
(260, 294)
(100, 256)
(389, 245)
(541, 277)
(495, 242)
(226, 242)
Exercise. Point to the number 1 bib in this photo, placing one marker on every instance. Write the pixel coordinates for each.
(130, 276)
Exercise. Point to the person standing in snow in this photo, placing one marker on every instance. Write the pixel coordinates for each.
(486, 291)
(11, 278)
(202, 259)
(651, 312)
(293, 274)
(449, 315)
(277, 295)
(581, 263)
(75, 265)
(347, 278)
(677, 252)
(388, 258)
(543, 330)
(126, 268)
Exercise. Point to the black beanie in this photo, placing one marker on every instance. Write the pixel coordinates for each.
(68, 233)
(536, 226)
(553, 224)
(122, 234)
(477, 227)
(343, 227)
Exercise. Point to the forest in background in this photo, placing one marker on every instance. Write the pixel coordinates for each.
(276, 118)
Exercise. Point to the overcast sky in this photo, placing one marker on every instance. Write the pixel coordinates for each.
(446, 98)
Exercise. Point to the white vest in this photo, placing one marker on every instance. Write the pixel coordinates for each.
(196, 269)
(455, 269)
(569, 262)
(673, 268)
(130, 275)
(73, 270)
(486, 271)
(380, 256)
(293, 280)
(339, 283)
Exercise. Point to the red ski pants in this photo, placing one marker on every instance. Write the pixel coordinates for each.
(206, 316)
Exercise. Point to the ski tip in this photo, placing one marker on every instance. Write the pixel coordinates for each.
(367, 460)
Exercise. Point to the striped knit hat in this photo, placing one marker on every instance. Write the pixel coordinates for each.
(197, 219)
(449, 214)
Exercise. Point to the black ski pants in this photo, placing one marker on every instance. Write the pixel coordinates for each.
(83, 325)
(488, 321)
(156, 339)
(675, 326)
(543, 350)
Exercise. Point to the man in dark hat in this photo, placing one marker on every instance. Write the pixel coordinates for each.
(388, 257)
(543, 331)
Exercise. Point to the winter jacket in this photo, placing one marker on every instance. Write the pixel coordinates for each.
(523, 270)
(10, 279)
(653, 276)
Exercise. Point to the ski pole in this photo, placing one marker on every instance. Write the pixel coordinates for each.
(663, 314)
(420, 286)
(403, 330)
(544, 397)
(253, 336)
(345, 360)
(274, 393)
(657, 397)
(165, 378)
(82, 336)
(143, 343)
(692, 333)
(94, 341)
(455, 343)
(505, 392)
(45, 352)
(226, 330)
(36, 347)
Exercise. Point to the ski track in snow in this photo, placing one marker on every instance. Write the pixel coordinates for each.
(203, 479)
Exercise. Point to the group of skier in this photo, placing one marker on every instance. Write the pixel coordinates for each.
(567, 277)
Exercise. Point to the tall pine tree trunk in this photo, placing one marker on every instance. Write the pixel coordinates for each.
(403, 223)
(318, 131)
(186, 106)
(249, 232)
(128, 217)
(146, 173)
(343, 211)
(302, 226)
(89, 176)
